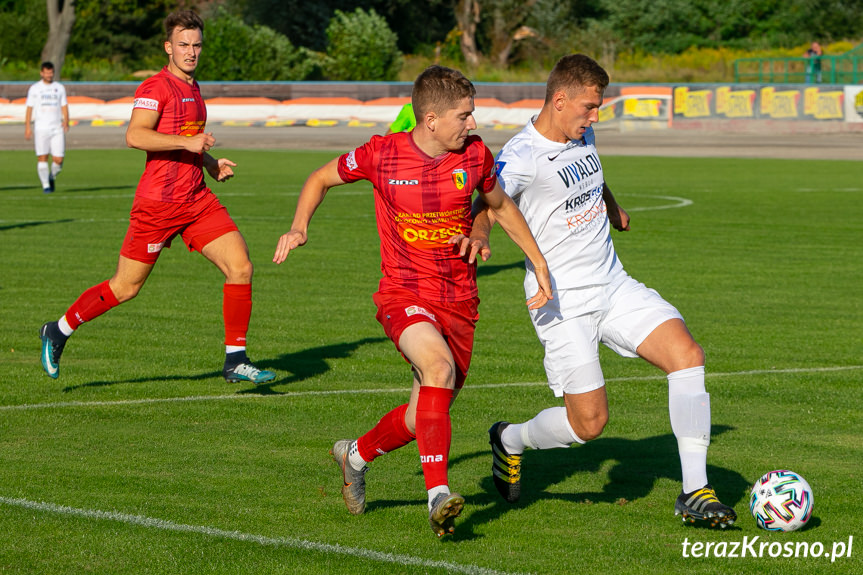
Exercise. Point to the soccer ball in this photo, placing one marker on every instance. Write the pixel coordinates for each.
(781, 501)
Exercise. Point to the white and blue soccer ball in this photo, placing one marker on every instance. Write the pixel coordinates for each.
(781, 501)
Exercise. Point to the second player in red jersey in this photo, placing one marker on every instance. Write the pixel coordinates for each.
(168, 120)
(421, 203)
(427, 298)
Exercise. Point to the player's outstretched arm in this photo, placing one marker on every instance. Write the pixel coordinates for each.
(616, 215)
(316, 187)
(506, 213)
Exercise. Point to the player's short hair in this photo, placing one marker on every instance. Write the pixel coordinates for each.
(47, 66)
(439, 89)
(183, 20)
(574, 72)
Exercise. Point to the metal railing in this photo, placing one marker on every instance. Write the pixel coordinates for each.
(843, 69)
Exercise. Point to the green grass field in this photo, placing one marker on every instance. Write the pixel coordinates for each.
(141, 459)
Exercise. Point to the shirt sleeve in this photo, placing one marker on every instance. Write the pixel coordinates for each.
(405, 121)
(358, 164)
(489, 178)
(31, 97)
(514, 175)
(149, 97)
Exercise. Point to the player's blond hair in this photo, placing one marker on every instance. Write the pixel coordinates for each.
(182, 20)
(439, 89)
(574, 72)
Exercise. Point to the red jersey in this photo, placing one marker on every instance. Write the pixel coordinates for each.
(175, 176)
(420, 203)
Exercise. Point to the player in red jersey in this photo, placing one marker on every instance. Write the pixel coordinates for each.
(168, 120)
(427, 298)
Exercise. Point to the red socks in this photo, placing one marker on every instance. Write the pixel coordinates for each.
(388, 435)
(434, 433)
(236, 310)
(91, 304)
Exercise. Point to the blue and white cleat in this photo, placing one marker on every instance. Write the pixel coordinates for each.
(52, 348)
(247, 372)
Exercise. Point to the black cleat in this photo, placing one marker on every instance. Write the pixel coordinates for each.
(703, 505)
(505, 467)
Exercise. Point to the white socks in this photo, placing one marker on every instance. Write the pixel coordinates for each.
(55, 168)
(43, 170)
(354, 458)
(434, 491)
(65, 327)
(689, 410)
(549, 429)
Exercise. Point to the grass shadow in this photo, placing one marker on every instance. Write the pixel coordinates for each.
(34, 224)
(302, 365)
(483, 270)
(114, 188)
(636, 466)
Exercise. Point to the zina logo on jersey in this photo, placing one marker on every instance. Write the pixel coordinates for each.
(459, 178)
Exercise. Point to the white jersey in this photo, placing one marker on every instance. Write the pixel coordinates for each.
(47, 101)
(558, 188)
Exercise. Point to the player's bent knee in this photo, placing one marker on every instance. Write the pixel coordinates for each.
(440, 373)
(692, 355)
(587, 428)
(125, 292)
(240, 272)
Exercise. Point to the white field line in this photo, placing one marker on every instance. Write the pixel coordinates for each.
(677, 203)
(130, 195)
(312, 393)
(289, 542)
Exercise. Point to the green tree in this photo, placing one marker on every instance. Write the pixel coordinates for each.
(305, 23)
(361, 47)
(127, 33)
(236, 51)
(675, 25)
(25, 27)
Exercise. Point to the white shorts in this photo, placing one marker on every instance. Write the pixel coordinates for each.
(50, 141)
(621, 315)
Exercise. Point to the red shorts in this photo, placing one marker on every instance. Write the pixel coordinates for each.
(153, 225)
(456, 322)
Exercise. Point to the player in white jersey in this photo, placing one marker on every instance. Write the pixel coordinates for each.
(552, 171)
(49, 112)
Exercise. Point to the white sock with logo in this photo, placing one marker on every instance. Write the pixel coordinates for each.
(689, 410)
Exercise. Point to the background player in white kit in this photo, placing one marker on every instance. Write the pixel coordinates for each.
(552, 170)
(49, 112)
